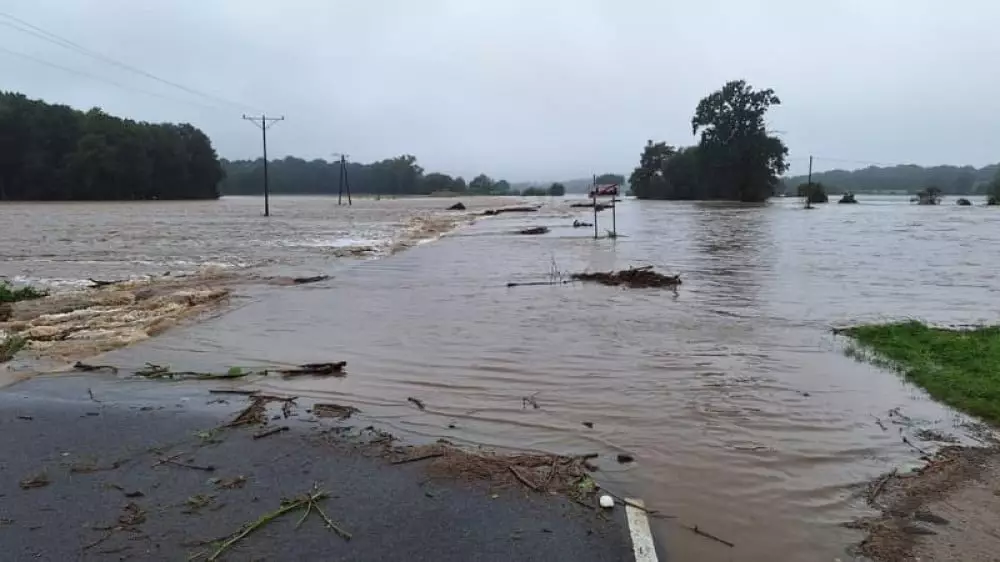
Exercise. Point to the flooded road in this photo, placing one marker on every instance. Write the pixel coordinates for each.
(743, 414)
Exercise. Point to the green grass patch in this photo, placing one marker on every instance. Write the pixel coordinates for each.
(960, 367)
(10, 294)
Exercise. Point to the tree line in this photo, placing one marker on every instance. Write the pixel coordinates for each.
(55, 152)
(735, 158)
(949, 180)
(392, 176)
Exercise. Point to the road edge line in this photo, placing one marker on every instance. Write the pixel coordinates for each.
(638, 527)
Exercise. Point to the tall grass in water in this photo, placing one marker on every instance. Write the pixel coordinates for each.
(8, 293)
(960, 367)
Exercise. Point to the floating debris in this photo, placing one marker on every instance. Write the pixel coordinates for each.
(417, 402)
(636, 278)
(457, 207)
(313, 279)
(494, 212)
(534, 230)
(319, 369)
(39, 480)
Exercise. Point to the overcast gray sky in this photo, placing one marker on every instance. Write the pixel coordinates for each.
(530, 90)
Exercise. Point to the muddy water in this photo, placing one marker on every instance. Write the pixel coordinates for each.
(65, 243)
(743, 413)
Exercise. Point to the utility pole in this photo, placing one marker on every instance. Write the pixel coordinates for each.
(809, 184)
(342, 181)
(264, 123)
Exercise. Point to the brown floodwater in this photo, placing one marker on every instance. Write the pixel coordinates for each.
(743, 413)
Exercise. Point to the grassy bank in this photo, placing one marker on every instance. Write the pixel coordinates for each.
(958, 367)
(8, 293)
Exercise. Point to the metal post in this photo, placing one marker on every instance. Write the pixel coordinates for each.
(593, 194)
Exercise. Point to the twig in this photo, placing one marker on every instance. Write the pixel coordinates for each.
(107, 536)
(208, 468)
(522, 478)
(247, 529)
(552, 471)
(540, 283)
(879, 423)
(880, 485)
(91, 394)
(418, 458)
(304, 515)
(330, 524)
(272, 431)
(419, 403)
(698, 531)
(644, 509)
(165, 460)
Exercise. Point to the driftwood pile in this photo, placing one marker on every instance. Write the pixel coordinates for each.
(567, 475)
(635, 278)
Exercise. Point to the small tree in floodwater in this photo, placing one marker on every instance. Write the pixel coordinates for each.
(814, 192)
(929, 196)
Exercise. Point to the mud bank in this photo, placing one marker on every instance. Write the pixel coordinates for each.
(944, 511)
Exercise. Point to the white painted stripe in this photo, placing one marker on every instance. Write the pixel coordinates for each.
(638, 527)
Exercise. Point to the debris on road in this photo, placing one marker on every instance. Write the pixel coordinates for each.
(334, 411)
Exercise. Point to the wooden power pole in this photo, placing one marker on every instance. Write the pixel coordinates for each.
(264, 123)
(343, 182)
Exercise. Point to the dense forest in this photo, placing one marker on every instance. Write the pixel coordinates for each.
(951, 180)
(393, 176)
(54, 152)
(735, 158)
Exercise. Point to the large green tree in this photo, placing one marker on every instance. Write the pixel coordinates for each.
(735, 159)
(744, 160)
(53, 152)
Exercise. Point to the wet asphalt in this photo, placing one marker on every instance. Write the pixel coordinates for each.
(82, 478)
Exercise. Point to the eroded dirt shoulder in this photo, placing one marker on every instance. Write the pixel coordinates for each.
(949, 510)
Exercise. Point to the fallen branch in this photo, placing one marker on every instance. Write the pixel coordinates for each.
(325, 369)
(272, 431)
(308, 501)
(98, 284)
(154, 371)
(313, 279)
(493, 212)
(538, 283)
(522, 479)
(88, 368)
(173, 461)
(233, 391)
(698, 531)
(534, 230)
(255, 412)
(416, 458)
(419, 403)
(879, 486)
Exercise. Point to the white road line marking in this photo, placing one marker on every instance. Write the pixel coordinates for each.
(638, 527)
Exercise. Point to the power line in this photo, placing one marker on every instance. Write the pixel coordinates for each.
(102, 79)
(73, 46)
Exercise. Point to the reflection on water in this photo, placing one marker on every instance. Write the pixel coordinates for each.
(743, 415)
